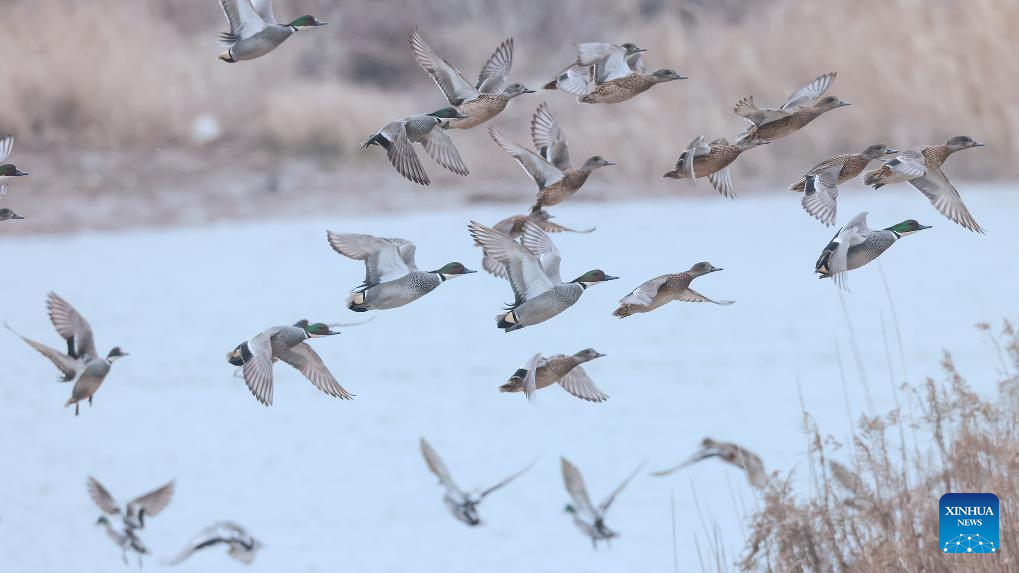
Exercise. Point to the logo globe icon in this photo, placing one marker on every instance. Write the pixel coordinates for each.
(969, 543)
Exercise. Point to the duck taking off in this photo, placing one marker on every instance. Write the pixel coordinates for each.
(587, 517)
(391, 278)
(254, 31)
(550, 168)
(287, 343)
(729, 453)
(856, 244)
(540, 372)
(712, 161)
(8, 171)
(463, 506)
(82, 363)
(398, 136)
(480, 102)
(136, 510)
(665, 289)
(532, 267)
(819, 185)
(770, 123)
(240, 544)
(921, 169)
(606, 73)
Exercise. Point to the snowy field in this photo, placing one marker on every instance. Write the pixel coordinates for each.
(330, 485)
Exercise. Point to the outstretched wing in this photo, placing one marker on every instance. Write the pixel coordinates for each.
(812, 90)
(722, 182)
(849, 236)
(535, 240)
(945, 198)
(102, 497)
(523, 268)
(578, 383)
(151, 503)
(304, 358)
(257, 369)
(264, 10)
(243, 19)
(68, 366)
(575, 487)
(612, 497)
(71, 326)
(820, 197)
(497, 68)
(690, 295)
(645, 293)
(550, 139)
(385, 259)
(449, 79)
(505, 481)
(537, 167)
(438, 467)
(440, 147)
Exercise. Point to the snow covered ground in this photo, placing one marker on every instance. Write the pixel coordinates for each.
(330, 485)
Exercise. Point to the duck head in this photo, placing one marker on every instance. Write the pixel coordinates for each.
(469, 513)
(632, 49)
(595, 162)
(515, 89)
(703, 268)
(305, 21)
(748, 144)
(876, 151)
(317, 329)
(960, 142)
(667, 75)
(10, 170)
(115, 354)
(453, 269)
(587, 355)
(6, 213)
(593, 277)
(829, 103)
(907, 227)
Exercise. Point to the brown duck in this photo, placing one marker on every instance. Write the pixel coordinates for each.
(770, 124)
(820, 199)
(712, 161)
(540, 372)
(662, 290)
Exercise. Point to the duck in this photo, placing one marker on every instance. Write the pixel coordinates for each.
(138, 509)
(588, 518)
(819, 185)
(391, 278)
(8, 171)
(921, 169)
(606, 73)
(730, 453)
(711, 160)
(6, 214)
(662, 290)
(127, 540)
(540, 372)
(82, 363)
(513, 227)
(254, 31)
(240, 544)
(287, 343)
(397, 136)
(550, 167)
(463, 506)
(532, 267)
(856, 244)
(770, 124)
(480, 102)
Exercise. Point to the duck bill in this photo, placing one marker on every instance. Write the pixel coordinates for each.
(891, 150)
(609, 278)
(16, 216)
(317, 24)
(715, 270)
(469, 271)
(607, 163)
(978, 144)
(528, 91)
(20, 173)
(843, 104)
(922, 227)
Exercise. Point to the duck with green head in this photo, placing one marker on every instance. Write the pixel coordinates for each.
(398, 136)
(856, 244)
(588, 518)
(392, 278)
(287, 343)
(8, 171)
(532, 267)
(254, 31)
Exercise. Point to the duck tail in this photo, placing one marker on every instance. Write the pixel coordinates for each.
(508, 321)
(355, 301)
(376, 139)
(798, 187)
(550, 85)
(516, 382)
(873, 178)
(623, 311)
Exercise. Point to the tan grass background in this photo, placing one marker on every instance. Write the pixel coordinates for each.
(112, 75)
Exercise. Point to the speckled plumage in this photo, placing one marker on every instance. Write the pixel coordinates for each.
(479, 110)
(664, 289)
(540, 372)
(711, 161)
(621, 89)
(821, 199)
(856, 244)
(784, 126)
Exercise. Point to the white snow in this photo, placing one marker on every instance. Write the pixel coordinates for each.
(330, 485)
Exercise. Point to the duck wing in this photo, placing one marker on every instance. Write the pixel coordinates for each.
(264, 10)
(690, 295)
(401, 154)
(945, 198)
(535, 240)
(219, 532)
(849, 236)
(609, 60)
(575, 80)
(440, 147)
(306, 361)
(696, 148)
(150, 504)
(810, 91)
(550, 139)
(537, 167)
(243, 19)
(645, 293)
(612, 497)
(578, 383)
(550, 227)
(449, 79)
(523, 268)
(71, 326)
(496, 69)
(102, 497)
(748, 110)
(820, 197)
(385, 259)
(505, 481)
(578, 491)
(530, 379)
(257, 368)
(6, 146)
(438, 467)
(68, 366)
(721, 180)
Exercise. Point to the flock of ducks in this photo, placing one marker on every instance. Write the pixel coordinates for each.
(518, 248)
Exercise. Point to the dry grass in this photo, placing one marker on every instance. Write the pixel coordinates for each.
(118, 74)
(877, 511)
